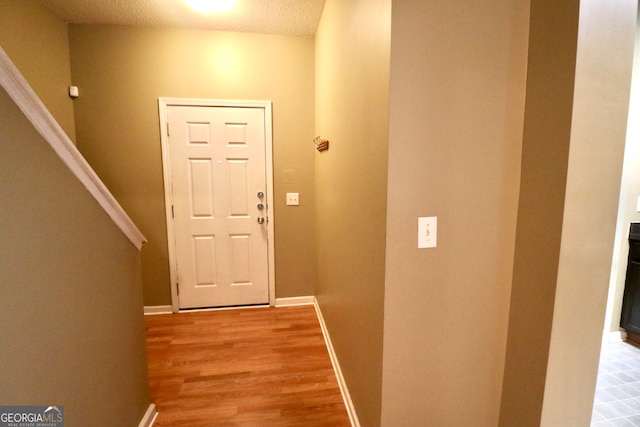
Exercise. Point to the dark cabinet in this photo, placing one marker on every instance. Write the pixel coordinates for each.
(630, 319)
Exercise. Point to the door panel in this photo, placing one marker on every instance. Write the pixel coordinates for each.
(217, 162)
(204, 251)
(201, 191)
(240, 259)
(237, 182)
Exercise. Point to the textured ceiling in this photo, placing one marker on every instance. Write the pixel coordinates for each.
(286, 17)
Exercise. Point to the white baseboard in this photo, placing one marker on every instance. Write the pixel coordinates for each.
(351, 410)
(149, 416)
(284, 302)
(157, 309)
(614, 336)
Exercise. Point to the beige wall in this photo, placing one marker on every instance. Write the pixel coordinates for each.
(598, 128)
(456, 111)
(546, 137)
(37, 42)
(574, 133)
(121, 72)
(72, 331)
(352, 81)
(629, 193)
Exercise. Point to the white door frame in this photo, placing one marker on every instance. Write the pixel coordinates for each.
(163, 104)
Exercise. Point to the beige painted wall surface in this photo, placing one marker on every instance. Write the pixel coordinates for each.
(38, 44)
(598, 129)
(547, 131)
(72, 331)
(456, 112)
(629, 193)
(121, 72)
(352, 73)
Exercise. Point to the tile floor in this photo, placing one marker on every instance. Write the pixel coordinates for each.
(617, 399)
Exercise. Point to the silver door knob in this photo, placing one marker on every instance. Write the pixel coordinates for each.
(260, 220)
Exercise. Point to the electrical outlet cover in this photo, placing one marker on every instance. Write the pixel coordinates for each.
(293, 199)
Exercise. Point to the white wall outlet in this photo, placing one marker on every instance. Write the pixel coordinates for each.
(293, 199)
(427, 232)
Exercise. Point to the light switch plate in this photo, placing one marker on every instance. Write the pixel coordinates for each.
(427, 232)
(293, 199)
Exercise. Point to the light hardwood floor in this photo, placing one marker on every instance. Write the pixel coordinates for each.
(249, 367)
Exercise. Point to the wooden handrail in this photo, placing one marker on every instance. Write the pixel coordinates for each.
(26, 99)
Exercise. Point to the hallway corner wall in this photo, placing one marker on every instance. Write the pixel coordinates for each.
(606, 35)
(629, 194)
(72, 327)
(37, 42)
(352, 82)
(456, 111)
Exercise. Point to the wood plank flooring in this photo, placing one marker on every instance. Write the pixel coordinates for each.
(249, 367)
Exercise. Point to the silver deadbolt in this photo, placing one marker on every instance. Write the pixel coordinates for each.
(260, 220)
(260, 194)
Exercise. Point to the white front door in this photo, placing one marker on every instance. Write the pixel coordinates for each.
(218, 185)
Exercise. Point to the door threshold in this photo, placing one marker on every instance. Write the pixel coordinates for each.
(230, 307)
